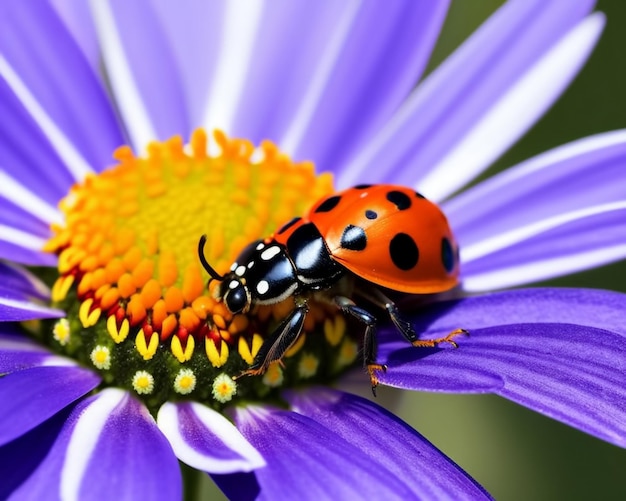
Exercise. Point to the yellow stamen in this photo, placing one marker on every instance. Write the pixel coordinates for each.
(215, 356)
(87, 315)
(118, 334)
(249, 351)
(61, 287)
(347, 353)
(334, 329)
(147, 349)
(182, 354)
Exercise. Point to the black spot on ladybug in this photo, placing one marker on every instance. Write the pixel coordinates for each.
(403, 251)
(362, 186)
(370, 214)
(399, 199)
(288, 225)
(419, 195)
(353, 238)
(447, 255)
(329, 204)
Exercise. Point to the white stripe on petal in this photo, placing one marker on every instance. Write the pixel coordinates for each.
(542, 161)
(541, 270)
(127, 94)
(27, 200)
(503, 240)
(69, 155)
(240, 26)
(21, 238)
(84, 439)
(29, 306)
(304, 114)
(515, 111)
(219, 426)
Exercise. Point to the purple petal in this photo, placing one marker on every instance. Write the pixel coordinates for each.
(27, 253)
(563, 244)
(76, 16)
(495, 84)
(561, 353)
(31, 396)
(23, 455)
(18, 352)
(21, 283)
(577, 175)
(307, 460)
(153, 69)
(12, 215)
(109, 447)
(590, 307)
(18, 310)
(206, 440)
(39, 169)
(388, 441)
(352, 66)
(60, 89)
(192, 30)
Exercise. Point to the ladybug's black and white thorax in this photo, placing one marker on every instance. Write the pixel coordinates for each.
(268, 272)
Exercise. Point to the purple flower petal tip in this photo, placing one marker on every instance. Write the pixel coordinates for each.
(206, 440)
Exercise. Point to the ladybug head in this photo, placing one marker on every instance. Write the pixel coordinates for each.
(235, 294)
(232, 290)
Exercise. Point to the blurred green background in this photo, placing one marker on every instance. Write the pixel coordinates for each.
(515, 453)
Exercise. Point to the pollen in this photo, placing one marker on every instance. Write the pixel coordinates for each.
(185, 382)
(61, 331)
(101, 357)
(143, 382)
(274, 376)
(307, 367)
(224, 388)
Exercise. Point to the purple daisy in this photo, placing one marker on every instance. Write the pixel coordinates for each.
(87, 413)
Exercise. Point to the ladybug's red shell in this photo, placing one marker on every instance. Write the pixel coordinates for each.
(389, 235)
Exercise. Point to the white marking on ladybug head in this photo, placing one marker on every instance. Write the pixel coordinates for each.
(260, 246)
(233, 284)
(270, 252)
(262, 287)
(240, 271)
(233, 266)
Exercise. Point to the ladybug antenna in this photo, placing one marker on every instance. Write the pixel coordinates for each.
(214, 274)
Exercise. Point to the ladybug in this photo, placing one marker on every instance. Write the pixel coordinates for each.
(367, 240)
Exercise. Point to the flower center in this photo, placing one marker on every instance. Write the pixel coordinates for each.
(138, 307)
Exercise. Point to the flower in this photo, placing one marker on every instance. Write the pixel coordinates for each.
(341, 100)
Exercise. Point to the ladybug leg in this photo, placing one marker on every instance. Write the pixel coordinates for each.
(407, 330)
(283, 337)
(369, 339)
